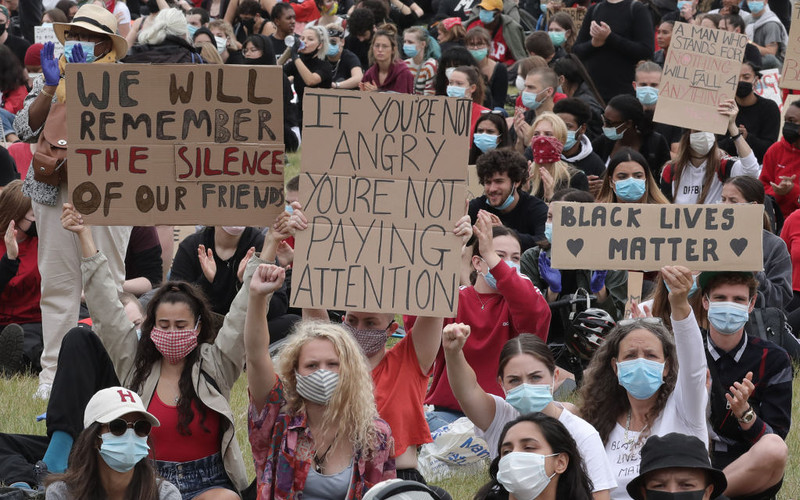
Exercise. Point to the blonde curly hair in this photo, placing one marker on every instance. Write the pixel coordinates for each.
(351, 410)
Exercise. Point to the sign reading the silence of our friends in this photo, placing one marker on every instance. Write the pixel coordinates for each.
(383, 184)
(642, 237)
(701, 70)
(175, 144)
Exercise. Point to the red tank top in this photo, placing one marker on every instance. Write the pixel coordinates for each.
(170, 446)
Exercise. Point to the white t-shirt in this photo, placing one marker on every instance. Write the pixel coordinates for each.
(123, 11)
(692, 180)
(585, 436)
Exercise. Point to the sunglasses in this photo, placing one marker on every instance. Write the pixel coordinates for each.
(119, 426)
(635, 321)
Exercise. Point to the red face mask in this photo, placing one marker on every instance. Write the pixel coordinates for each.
(546, 149)
(175, 345)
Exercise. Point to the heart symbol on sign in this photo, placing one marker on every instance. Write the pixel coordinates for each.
(738, 245)
(575, 246)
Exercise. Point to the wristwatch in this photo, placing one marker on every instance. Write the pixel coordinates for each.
(747, 416)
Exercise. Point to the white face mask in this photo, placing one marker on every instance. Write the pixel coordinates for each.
(523, 474)
(701, 142)
(221, 44)
(519, 83)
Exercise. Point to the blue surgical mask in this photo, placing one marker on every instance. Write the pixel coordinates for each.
(529, 100)
(640, 377)
(410, 49)
(192, 30)
(728, 317)
(648, 96)
(571, 140)
(612, 133)
(122, 453)
(88, 49)
(543, 7)
(529, 398)
(557, 37)
(506, 203)
(486, 16)
(692, 290)
(630, 189)
(333, 49)
(479, 54)
(755, 7)
(485, 142)
(548, 232)
(492, 281)
(682, 3)
(453, 91)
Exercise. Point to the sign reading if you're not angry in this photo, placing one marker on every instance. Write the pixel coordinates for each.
(642, 237)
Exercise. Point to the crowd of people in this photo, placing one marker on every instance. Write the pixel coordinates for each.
(137, 343)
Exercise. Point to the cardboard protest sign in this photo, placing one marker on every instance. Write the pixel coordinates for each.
(43, 34)
(791, 61)
(576, 13)
(788, 102)
(701, 69)
(383, 184)
(474, 186)
(175, 144)
(635, 282)
(642, 237)
(768, 87)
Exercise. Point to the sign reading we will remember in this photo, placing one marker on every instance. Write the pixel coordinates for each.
(642, 237)
(701, 70)
(383, 185)
(175, 144)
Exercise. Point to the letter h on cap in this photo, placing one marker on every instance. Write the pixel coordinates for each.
(126, 394)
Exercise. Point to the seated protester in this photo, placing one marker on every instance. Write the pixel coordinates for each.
(197, 17)
(676, 466)
(499, 305)
(527, 372)
(775, 281)
(538, 43)
(422, 54)
(347, 72)
(388, 73)
(699, 169)
(451, 59)
(451, 33)
(501, 173)
(779, 173)
(13, 90)
(766, 31)
(495, 75)
(231, 49)
(663, 39)
(307, 66)
(646, 85)
(20, 283)
(625, 126)
(548, 173)
(538, 459)
(284, 19)
(257, 50)
(628, 179)
(316, 407)
(507, 35)
(642, 383)
(329, 13)
(562, 33)
(466, 81)
(247, 20)
(12, 159)
(204, 35)
(490, 133)
(361, 26)
(737, 24)
(18, 45)
(143, 267)
(610, 287)
(751, 395)
(115, 419)
(537, 98)
(576, 82)
(759, 118)
(165, 40)
(578, 147)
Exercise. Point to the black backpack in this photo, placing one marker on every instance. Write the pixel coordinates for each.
(769, 323)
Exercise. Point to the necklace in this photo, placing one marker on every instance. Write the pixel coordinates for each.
(627, 428)
(320, 460)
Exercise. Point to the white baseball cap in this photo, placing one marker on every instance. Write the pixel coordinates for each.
(114, 402)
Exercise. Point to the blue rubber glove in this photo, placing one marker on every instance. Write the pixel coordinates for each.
(78, 55)
(52, 75)
(550, 275)
(598, 281)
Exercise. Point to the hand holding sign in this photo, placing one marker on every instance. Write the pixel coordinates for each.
(728, 108)
(463, 229)
(551, 276)
(786, 185)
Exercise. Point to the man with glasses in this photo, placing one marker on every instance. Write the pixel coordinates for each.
(751, 390)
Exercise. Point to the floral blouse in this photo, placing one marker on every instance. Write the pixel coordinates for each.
(283, 450)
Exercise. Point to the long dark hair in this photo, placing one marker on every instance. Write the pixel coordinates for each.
(607, 194)
(574, 483)
(682, 162)
(82, 477)
(12, 73)
(263, 44)
(752, 191)
(453, 57)
(497, 231)
(175, 292)
(573, 71)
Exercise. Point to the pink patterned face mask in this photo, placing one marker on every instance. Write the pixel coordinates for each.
(175, 345)
(546, 149)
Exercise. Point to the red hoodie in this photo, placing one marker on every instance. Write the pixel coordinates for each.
(494, 318)
(782, 160)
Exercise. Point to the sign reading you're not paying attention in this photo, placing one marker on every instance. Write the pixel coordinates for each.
(641, 237)
(383, 184)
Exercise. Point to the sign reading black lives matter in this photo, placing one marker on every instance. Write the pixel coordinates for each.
(175, 144)
(641, 237)
(701, 70)
(383, 184)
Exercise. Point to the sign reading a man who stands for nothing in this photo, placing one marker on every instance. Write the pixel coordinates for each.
(642, 237)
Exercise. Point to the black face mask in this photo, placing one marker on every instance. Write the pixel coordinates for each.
(791, 132)
(31, 231)
(249, 24)
(682, 495)
(152, 6)
(744, 89)
(2, 28)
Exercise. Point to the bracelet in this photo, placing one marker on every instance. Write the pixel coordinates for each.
(734, 137)
(48, 94)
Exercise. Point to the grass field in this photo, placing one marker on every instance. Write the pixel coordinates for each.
(18, 415)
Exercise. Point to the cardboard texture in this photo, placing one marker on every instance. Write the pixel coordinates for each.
(175, 144)
(641, 237)
(791, 61)
(768, 87)
(700, 71)
(382, 184)
(474, 187)
(576, 13)
(635, 282)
